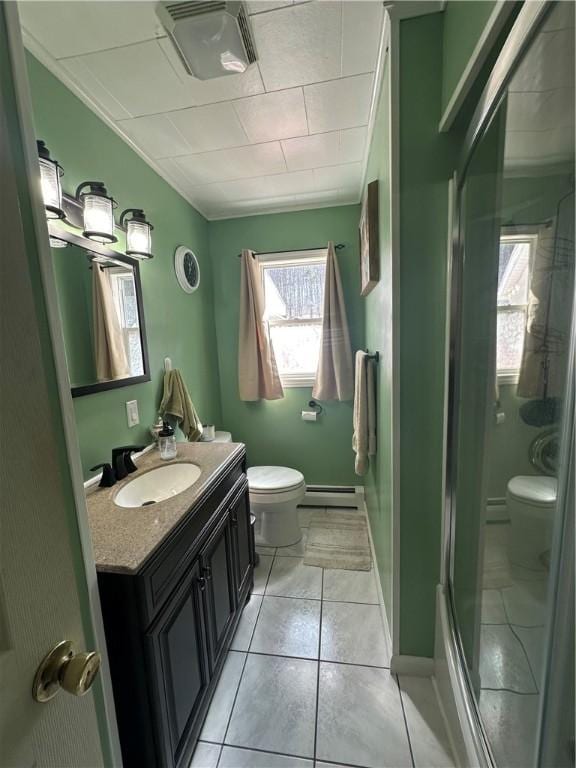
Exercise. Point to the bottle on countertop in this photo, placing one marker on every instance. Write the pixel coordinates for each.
(167, 442)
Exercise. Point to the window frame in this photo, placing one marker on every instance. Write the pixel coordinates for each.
(517, 234)
(290, 259)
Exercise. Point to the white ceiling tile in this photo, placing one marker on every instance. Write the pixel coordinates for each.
(271, 116)
(214, 126)
(299, 45)
(139, 77)
(228, 164)
(156, 135)
(260, 6)
(338, 104)
(74, 28)
(361, 28)
(346, 177)
(88, 84)
(291, 183)
(224, 88)
(323, 149)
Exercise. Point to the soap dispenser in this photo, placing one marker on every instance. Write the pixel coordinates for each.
(167, 442)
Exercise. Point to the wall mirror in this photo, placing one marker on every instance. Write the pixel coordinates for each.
(101, 309)
(511, 398)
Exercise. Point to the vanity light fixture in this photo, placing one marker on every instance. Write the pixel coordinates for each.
(138, 237)
(97, 211)
(50, 173)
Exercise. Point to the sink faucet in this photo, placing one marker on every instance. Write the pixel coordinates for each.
(122, 461)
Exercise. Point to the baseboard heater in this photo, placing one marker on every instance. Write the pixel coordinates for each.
(332, 496)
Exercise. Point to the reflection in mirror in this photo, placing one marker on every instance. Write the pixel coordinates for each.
(516, 289)
(101, 318)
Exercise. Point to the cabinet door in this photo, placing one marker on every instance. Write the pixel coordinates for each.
(242, 540)
(180, 665)
(216, 560)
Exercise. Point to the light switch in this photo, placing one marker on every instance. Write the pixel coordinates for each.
(132, 413)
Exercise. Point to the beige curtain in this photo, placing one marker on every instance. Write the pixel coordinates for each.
(546, 340)
(109, 351)
(258, 377)
(334, 377)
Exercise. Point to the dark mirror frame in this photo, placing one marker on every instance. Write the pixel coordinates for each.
(90, 246)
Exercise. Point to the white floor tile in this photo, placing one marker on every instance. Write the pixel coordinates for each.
(233, 757)
(287, 627)
(289, 577)
(533, 639)
(243, 636)
(525, 603)
(428, 736)
(350, 586)
(296, 550)
(262, 550)
(510, 720)
(275, 706)
(503, 662)
(493, 607)
(360, 718)
(205, 755)
(353, 633)
(219, 713)
(261, 574)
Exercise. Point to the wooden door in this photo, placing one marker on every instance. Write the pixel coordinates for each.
(242, 543)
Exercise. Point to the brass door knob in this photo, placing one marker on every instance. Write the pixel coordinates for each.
(62, 668)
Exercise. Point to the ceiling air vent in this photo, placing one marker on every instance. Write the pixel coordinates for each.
(212, 38)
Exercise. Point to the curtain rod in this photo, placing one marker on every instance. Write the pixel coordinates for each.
(337, 247)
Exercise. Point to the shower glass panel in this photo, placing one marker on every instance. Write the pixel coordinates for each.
(513, 307)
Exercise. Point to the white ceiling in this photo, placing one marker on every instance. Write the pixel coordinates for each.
(290, 133)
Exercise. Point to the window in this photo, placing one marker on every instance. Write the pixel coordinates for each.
(124, 292)
(294, 300)
(516, 254)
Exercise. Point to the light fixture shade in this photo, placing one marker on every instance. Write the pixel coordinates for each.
(138, 234)
(50, 173)
(98, 212)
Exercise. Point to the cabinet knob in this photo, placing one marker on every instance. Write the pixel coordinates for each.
(201, 583)
(234, 519)
(207, 571)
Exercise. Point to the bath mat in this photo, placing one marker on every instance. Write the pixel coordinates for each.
(338, 540)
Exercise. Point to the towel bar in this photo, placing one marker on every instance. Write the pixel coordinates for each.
(375, 356)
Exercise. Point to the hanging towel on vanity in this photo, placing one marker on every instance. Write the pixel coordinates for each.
(176, 402)
(364, 438)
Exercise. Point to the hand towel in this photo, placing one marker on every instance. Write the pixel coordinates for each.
(364, 438)
(176, 402)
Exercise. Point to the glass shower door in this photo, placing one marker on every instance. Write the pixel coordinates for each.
(512, 405)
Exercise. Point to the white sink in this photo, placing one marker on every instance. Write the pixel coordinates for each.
(157, 485)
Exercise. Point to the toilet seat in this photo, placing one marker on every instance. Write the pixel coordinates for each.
(274, 480)
(534, 490)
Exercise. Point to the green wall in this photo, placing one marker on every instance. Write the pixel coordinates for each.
(273, 430)
(378, 319)
(464, 22)
(426, 162)
(178, 325)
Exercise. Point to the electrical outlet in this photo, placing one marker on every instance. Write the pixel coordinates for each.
(132, 413)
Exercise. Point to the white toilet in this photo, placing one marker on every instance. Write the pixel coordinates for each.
(531, 501)
(275, 493)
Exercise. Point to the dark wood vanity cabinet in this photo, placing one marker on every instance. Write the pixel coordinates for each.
(168, 627)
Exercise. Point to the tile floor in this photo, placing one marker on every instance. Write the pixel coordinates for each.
(511, 650)
(307, 682)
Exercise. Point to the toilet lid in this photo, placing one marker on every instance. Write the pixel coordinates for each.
(270, 479)
(536, 489)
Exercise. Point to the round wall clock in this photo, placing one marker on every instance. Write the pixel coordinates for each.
(187, 269)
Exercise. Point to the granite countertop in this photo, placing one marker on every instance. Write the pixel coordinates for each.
(123, 538)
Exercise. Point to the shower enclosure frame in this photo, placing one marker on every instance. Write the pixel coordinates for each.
(472, 742)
